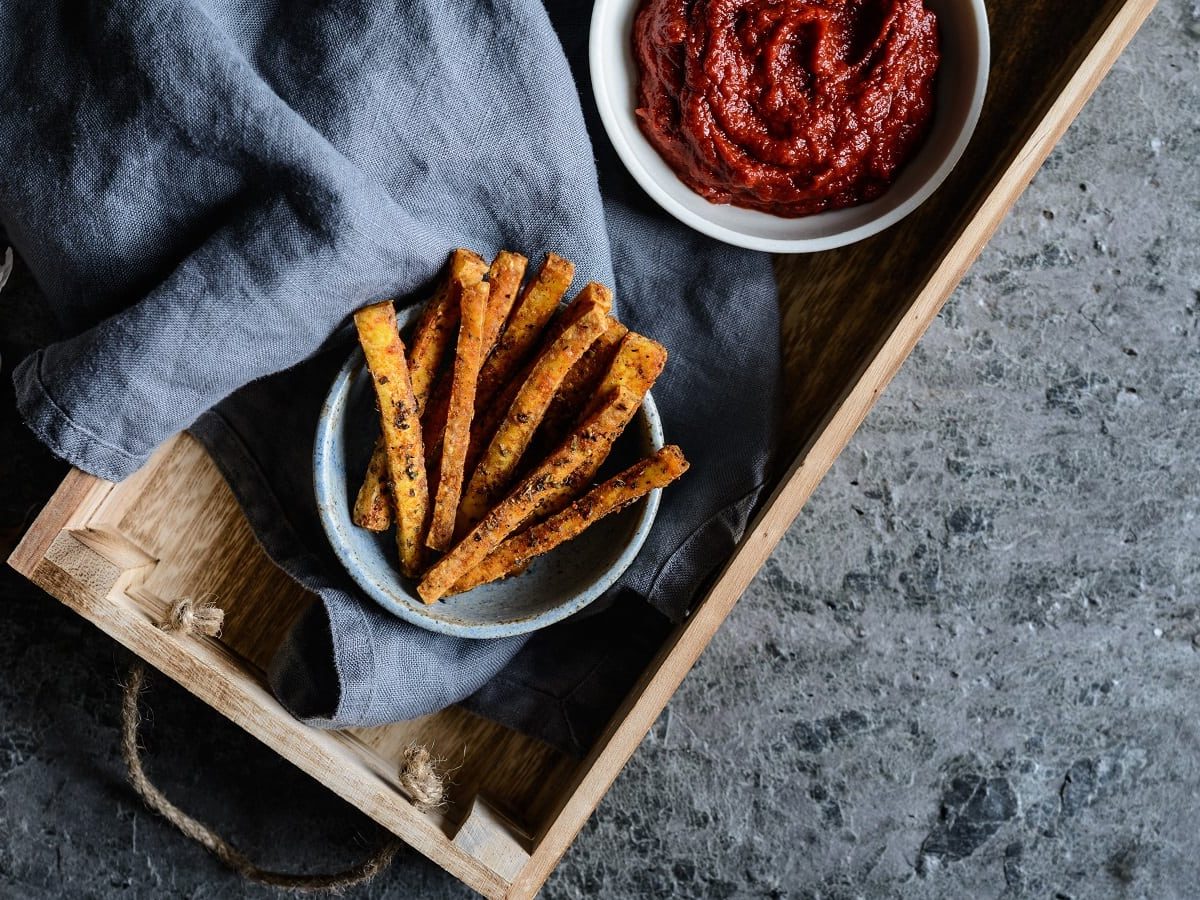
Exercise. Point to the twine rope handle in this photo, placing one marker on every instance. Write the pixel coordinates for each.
(417, 776)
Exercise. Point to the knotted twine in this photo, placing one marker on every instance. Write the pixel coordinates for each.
(418, 776)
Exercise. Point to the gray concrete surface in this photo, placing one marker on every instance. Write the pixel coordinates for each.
(969, 671)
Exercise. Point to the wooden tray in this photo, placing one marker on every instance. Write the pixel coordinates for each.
(118, 553)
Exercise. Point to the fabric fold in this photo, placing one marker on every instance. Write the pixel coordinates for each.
(205, 191)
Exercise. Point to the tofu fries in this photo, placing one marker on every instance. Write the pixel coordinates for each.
(512, 555)
(400, 427)
(494, 426)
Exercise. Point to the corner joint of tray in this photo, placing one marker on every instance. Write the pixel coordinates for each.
(490, 838)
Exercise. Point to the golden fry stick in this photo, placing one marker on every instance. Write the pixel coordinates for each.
(372, 507)
(431, 338)
(533, 310)
(467, 360)
(581, 384)
(592, 294)
(433, 425)
(400, 426)
(547, 484)
(466, 270)
(485, 425)
(587, 470)
(499, 462)
(435, 328)
(504, 279)
(637, 364)
(504, 276)
(514, 554)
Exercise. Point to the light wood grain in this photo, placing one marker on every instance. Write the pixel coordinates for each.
(119, 554)
(75, 498)
(487, 836)
(102, 561)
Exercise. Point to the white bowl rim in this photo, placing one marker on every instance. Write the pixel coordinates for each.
(604, 10)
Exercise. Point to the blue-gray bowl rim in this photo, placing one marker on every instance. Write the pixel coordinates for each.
(331, 496)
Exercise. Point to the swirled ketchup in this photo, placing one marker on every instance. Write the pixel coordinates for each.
(787, 106)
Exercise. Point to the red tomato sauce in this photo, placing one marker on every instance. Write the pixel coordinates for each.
(791, 107)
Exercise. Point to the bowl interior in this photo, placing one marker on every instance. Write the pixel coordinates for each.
(962, 82)
(556, 584)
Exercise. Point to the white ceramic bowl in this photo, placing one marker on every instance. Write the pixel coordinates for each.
(962, 82)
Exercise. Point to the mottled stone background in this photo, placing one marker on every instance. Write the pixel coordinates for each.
(969, 671)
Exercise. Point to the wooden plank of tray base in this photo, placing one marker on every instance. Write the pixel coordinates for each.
(662, 678)
(77, 495)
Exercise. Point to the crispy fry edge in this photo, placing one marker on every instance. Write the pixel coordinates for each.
(513, 436)
(505, 276)
(637, 364)
(468, 359)
(430, 340)
(558, 476)
(581, 383)
(531, 313)
(504, 280)
(488, 422)
(435, 327)
(615, 494)
(635, 376)
(373, 506)
(400, 427)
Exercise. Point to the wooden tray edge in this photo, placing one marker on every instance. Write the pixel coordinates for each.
(641, 709)
(98, 587)
(67, 503)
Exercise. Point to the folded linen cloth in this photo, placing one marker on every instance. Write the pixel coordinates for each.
(205, 190)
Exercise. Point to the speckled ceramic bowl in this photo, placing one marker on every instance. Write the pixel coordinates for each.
(557, 585)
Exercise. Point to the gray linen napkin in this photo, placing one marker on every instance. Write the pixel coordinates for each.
(205, 190)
